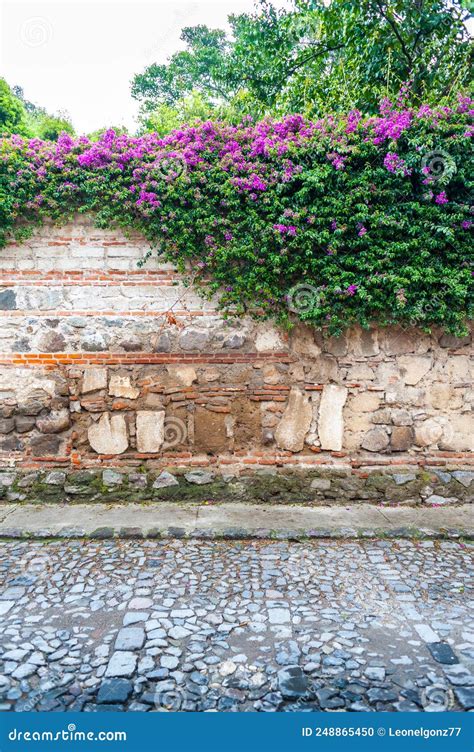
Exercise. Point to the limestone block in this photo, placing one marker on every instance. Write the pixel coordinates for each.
(184, 375)
(364, 402)
(295, 423)
(414, 367)
(398, 341)
(94, 379)
(121, 386)
(331, 423)
(458, 368)
(428, 432)
(323, 369)
(268, 339)
(375, 440)
(458, 435)
(365, 342)
(109, 435)
(150, 430)
(442, 396)
(302, 341)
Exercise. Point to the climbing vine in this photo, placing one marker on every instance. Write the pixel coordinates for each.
(341, 220)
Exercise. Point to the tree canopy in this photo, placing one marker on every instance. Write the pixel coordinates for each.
(314, 57)
(19, 115)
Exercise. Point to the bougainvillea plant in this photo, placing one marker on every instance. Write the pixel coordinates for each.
(342, 220)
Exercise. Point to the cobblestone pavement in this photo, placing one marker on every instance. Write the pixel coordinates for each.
(260, 626)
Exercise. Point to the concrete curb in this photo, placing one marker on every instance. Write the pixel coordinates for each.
(232, 521)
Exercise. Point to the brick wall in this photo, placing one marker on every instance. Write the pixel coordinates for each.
(116, 379)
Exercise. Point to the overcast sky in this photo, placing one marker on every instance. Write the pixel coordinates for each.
(80, 56)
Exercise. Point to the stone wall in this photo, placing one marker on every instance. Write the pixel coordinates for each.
(122, 381)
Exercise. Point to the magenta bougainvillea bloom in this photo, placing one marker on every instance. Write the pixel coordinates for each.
(259, 207)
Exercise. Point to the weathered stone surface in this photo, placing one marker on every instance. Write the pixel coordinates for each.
(55, 478)
(415, 367)
(114, 691)
(7, 300)
(331, 423)
(401, 439)
(122, 663)
(52, 342)
(200, 477)
(464, 477)
(120, 386)
(165, 480)
(94, 342)
(428, 432)
(162, 343)
(184, 375)
(210, 432)
(398, 341)
(33, 403)
(364, 402)
(234, 341)
(449, 340)
(150, 430)
(42, 446)
(94, 379)
(23, 423)
(375, 440)
(194, 339)
(109, 434)
(295, 423)
(292, 682)
(55, 422)
(268, 339)
(437, 500)
(320, 484)
(112, 478)
(130, 638)
(7, 425)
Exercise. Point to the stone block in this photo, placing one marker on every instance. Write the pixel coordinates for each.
(364, 402)
(295, 423)
(150, 430)
(331, 422)
(414, 367)
(94, 379)
(56, 422)
(194, 339)
(7, 300)
(375, 440)
(109, 435)
(120, 386)
(401, 439)
(165, 480)
(210, 432)
(183, 375)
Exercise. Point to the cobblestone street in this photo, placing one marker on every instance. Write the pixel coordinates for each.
(260, 626)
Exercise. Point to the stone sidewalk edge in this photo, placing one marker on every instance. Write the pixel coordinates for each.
(232, 521)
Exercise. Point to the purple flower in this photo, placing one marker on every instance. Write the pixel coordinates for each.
(441, 198)
(362, 231)
(396, 164)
